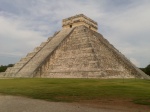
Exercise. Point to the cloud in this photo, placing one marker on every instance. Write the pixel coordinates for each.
(134, 61)
(16, 40)
(129, 30)
(25, 24)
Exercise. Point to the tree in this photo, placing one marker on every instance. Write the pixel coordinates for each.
(146, 70)
(3, 68)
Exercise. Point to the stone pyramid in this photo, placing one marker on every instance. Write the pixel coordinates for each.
(76, 51)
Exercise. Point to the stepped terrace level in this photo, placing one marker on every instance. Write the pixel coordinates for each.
(79, 20)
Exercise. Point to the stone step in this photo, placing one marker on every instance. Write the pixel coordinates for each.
(8, 69)
(37, 49)
(24, 60)
(31, 54)
(49, 39)
(43, 43)
(18, 65)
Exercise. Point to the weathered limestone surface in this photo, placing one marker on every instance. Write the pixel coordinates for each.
(86, 54)
(2, 74)
(77, 51)
(40, 57)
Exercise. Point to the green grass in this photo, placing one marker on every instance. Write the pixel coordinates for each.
(69, 90)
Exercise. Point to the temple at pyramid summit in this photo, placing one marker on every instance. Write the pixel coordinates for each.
(76, 51)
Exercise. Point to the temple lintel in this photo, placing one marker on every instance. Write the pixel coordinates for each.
(79, 20)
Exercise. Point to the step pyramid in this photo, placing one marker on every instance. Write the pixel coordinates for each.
(76, 51)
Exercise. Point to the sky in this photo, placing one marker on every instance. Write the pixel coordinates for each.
(24, 24)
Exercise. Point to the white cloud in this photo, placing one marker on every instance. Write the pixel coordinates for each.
(135, 62)
(129, 30)
(16, 40)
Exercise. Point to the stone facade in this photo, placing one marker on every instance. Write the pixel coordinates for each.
(79, 20)
(77, 51)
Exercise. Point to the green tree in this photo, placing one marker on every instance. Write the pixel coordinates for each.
(146, 70)
(3, 68)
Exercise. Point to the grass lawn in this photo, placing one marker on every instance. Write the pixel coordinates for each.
(70, 90)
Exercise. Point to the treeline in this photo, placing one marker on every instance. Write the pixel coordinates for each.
(3, 68)
(146, 70)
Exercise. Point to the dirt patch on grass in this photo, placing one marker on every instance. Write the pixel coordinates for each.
(122, 105)
(23, 104)
(116, 104)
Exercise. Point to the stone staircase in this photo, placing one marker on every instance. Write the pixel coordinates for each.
(33, 63)
(87, 54)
